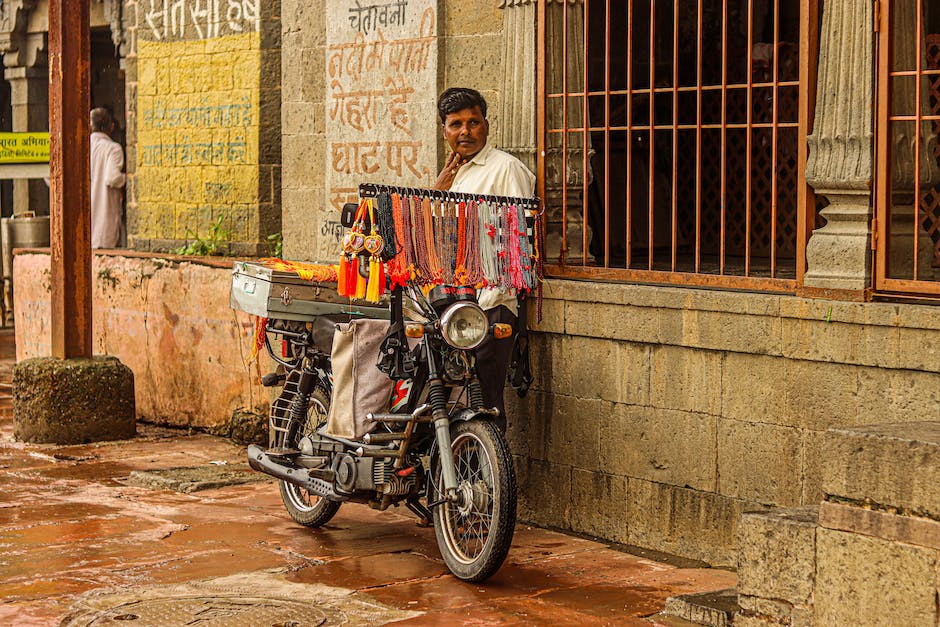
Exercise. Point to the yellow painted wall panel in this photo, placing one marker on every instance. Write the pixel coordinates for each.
(197, 144)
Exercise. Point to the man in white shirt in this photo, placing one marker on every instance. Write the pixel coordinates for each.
(107, 179)
(479, 168)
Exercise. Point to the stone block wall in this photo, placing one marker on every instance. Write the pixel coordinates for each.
(166, 318)
(869, 554)
(659, 415)
(203, 123)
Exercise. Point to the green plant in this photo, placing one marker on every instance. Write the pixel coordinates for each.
(209, 245)
(276, 245)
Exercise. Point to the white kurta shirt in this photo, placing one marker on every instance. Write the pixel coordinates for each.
(107, 179)
(494, 172)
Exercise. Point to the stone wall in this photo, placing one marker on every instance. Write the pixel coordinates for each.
(469, 53)
(169, 321)
(869, 554)
(203, 99)
(659, 415)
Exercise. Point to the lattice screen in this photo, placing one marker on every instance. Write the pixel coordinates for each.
(930, 200)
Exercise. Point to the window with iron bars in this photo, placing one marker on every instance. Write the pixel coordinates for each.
(907, 225)
(672, 140)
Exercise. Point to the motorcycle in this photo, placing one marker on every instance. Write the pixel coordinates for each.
(436, 450)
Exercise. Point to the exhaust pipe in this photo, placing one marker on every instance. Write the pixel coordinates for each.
(259, 460)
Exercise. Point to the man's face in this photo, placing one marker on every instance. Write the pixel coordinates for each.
(466, 131)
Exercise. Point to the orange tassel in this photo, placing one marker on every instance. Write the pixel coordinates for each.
(372, 292)
(360, 282)
(382, 278)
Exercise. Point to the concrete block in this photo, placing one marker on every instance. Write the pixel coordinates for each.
(919, 349)
(544, 492)
(818, 340)
(73, 401)
(759, 462)
(865, 581)
(695, 524)
(812, 460)
(525, 428)
(313, 74)
(549, 372)
(553, 317)
(304, 159)
(731, 331)
(894, 465)
(685, 379)
(616, 322)
(716, 609)
(777, 555)
(571, 429)
(599, 505)
(897, 396)
(820, 395)
(609, 370)
(754, 388)
(302, 118)
(470, 18)
(670, 447)
(777, 612)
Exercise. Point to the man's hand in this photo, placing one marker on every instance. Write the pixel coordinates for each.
(446, 178)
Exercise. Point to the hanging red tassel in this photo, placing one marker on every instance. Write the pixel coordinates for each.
(342, 275)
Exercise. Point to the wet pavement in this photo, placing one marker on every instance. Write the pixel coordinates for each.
(80, 544)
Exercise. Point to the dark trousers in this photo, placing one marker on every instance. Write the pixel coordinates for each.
(493, 362)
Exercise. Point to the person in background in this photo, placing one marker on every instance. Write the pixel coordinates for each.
(107, 182)
(477, 167)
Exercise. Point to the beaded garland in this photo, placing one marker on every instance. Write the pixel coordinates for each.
(429, 241)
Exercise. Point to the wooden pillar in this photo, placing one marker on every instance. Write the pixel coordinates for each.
(70, 212)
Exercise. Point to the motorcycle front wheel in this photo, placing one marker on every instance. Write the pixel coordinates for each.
(308, 509)
(474, 534)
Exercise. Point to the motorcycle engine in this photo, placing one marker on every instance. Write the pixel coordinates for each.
(346, 472)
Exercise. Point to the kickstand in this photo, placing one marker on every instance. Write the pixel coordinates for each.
(422, 512)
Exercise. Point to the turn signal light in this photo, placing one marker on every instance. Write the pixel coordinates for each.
(501, 331)
(414, 329)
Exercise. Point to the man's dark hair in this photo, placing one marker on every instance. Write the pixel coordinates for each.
(457, 99)
(101, 120)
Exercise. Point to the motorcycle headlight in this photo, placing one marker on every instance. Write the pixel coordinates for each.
(464, 325)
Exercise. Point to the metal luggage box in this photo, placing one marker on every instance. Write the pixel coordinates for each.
(262, 291)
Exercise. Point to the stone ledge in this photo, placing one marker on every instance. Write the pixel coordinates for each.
(884, 525)
(904, 315)
(893, 465)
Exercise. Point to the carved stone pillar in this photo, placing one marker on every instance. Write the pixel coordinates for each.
(840, 165)
(26, 68)
(905, 208)
(516, 130)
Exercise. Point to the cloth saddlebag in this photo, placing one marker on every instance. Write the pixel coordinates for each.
(359, 388)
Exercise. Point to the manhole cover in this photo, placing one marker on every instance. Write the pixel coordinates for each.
(209, 612)
(253, 599)
(194, 478)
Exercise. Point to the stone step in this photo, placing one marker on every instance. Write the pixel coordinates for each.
(890, 465)
(715, 609)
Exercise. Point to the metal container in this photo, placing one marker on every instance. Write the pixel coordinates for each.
(25, 232)
(261, 291)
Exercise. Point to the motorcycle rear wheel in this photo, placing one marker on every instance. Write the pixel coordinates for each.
(474, 536)
(305, 508)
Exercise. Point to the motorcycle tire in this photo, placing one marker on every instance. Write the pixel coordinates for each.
(474, 536)
(307, 509)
